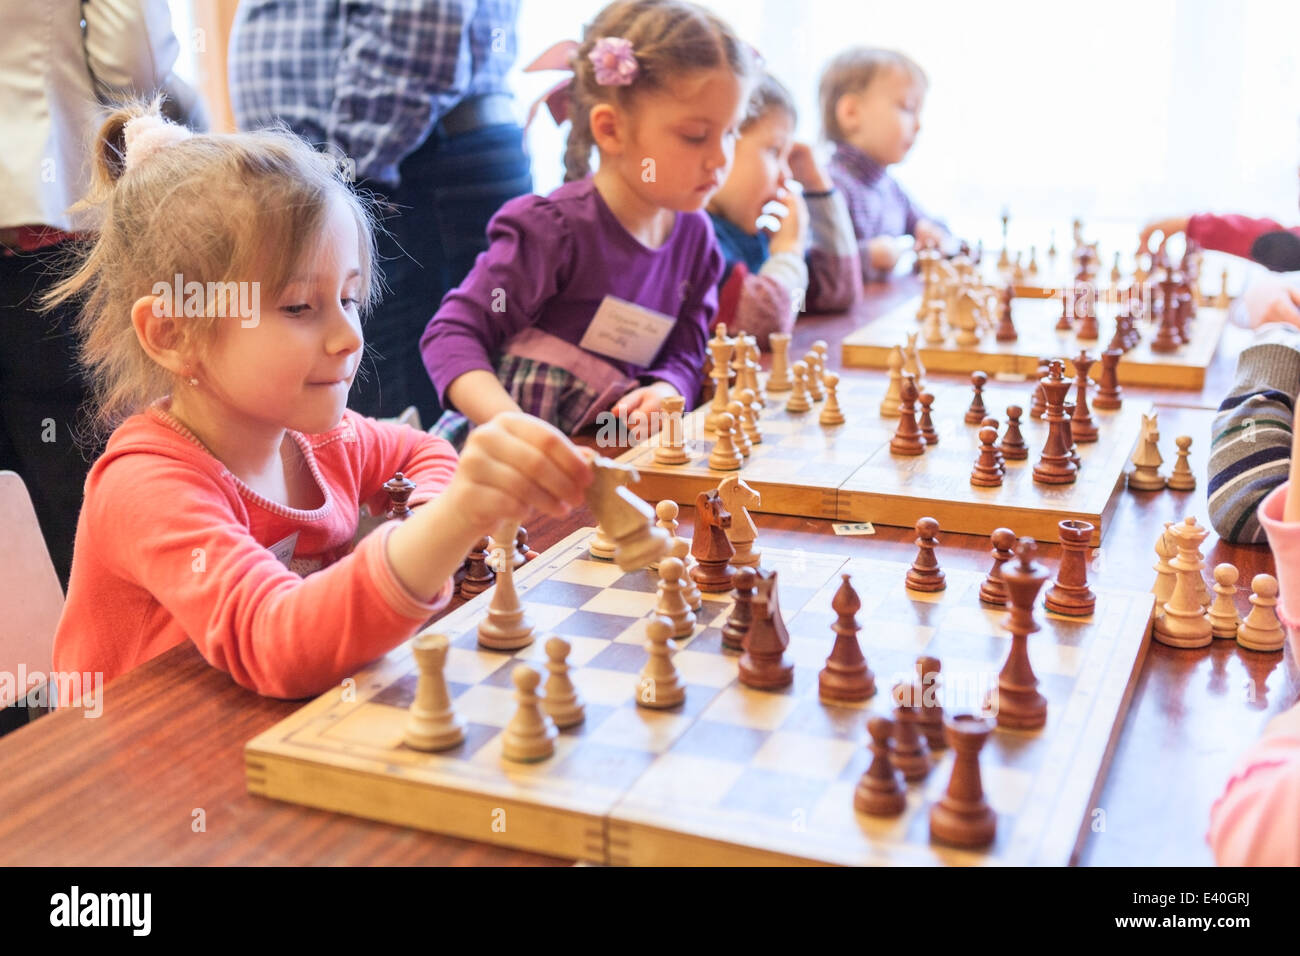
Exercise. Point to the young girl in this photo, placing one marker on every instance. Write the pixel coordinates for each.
(541, 323)
(222, 329)
(769, 281)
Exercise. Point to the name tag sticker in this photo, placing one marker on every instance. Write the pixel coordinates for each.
(856, 527)
(283, 549)
(627, 332)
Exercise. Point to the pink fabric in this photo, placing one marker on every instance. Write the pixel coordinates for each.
(607, 382)
(834, 281)
(1231, 234)
(1257, 820)
(171, 547)
(1284, 542)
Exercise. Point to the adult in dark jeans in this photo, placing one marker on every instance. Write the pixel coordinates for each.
(416, 100)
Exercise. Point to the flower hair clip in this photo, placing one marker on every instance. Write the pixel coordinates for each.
(614, 61)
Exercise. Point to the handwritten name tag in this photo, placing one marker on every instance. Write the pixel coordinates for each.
(627, 332)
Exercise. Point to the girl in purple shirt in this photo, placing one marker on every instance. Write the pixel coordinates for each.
(659, 87)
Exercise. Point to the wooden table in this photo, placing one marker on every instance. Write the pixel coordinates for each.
(159, 777)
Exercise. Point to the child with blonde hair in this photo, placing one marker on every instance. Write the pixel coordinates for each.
(810, 261)
(871, 110)
(543, 323)
(221, 325)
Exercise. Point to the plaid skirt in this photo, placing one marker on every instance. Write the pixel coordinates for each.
(552, 393)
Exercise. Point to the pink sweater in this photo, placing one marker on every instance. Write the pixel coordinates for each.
(1256, 822)
(172, 547)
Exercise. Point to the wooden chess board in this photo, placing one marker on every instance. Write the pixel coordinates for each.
(847, 472)
(734, 775)
(1035, 320)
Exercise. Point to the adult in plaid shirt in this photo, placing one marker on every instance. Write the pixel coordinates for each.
(413, 94)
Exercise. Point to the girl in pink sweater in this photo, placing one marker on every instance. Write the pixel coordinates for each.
(221, 325)
(1257, 819)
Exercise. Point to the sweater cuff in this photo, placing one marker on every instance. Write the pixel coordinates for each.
(1271, 363)
(393, 591)
(787, 268)
(831, 226)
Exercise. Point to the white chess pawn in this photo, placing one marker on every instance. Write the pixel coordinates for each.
(561, 702)
(432, 725)
(660, 686)
(672, 602)
(743, 444)
(892, 403)
(681, 550)
(813, 376)
(666, 513)
(1261, 630)
(749, 421)
(1224, 619)
(831, 412)
(530, 735)
(798, 401)
(725, 455)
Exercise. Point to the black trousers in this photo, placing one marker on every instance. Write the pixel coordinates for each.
(450, 188)
(41, 394)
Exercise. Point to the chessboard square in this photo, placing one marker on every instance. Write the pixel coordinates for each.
(1058, 659)
(628, 658)
(1067, 631)
(622, 603)
(707, 640)
(400, 692)
(981, 619)
(615, 765)
(820, 758)
(547, 618)
(776, 795)
(706, 616)
(808, 652)
(722, 742)
(794, 599)
(592, 624)
(702, 667)
(482, 704)
(747, 707)
(593, 715)
(476, 735)
(642, 728)
(678, 779)
(598, 574)
(611, 688)
(559, 593)
(490, 755)
(473, 666)
(815, 718)
(633, 633)
(644, 580)
(895, 634)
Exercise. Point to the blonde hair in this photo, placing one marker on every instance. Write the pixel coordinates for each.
(852, 72)
(669, 38)
(209, 208)
(768, 94)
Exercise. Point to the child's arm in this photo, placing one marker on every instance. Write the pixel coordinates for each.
(283, 635)
(1256, 822)
(768, 301)
(1265, 241)
(834, 276)
(1252, 434)
(529, 254)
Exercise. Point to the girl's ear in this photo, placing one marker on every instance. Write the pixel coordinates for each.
(607, 129)
(846, 113)
(158, 332)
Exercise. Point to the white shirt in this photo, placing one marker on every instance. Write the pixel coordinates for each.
(49, 110)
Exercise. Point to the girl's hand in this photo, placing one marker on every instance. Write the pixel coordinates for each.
(928, 235)
(640, 408)
(1285, 307)
(514, 465)
(804, 169)
(1169, 227)
(883, 251)
(792, 233)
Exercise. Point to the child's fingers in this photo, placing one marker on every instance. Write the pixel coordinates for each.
(509, 478)
(554, 445)
(534, 466)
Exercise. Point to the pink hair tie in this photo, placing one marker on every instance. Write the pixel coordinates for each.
(146, 135)
(614, 61)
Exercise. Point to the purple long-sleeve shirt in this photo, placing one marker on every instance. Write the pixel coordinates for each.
(878, 206)
(550, 262)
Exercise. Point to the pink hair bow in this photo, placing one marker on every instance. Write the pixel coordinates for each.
(557, 57)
